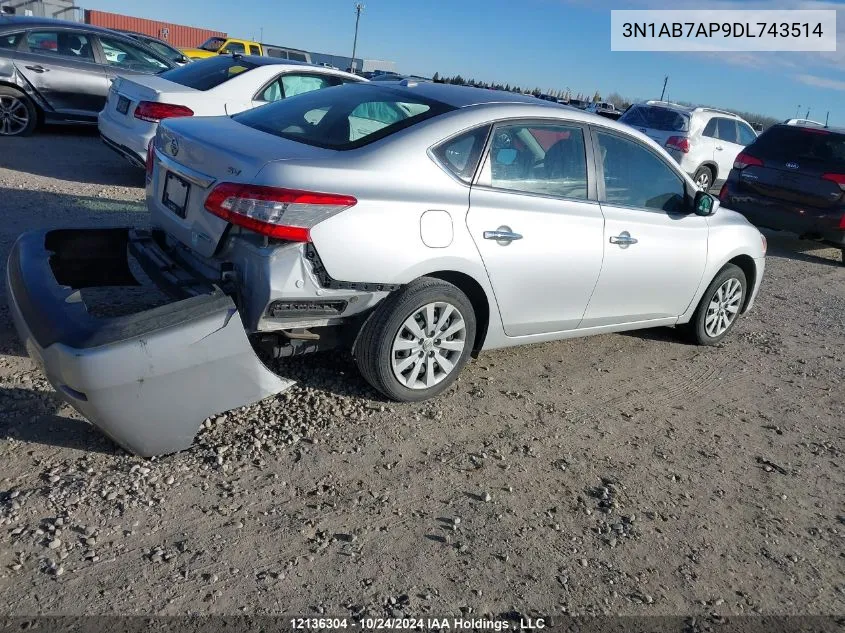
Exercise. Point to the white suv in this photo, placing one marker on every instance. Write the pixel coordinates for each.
(704, 141)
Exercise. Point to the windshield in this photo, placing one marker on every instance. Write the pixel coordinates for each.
(212, 44)
(656, 118)
(343, 117)
(794, 143)
(210, 73)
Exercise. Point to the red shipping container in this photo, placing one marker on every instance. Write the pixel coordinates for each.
(176, 35)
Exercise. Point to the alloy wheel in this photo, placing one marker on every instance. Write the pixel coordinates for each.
(428, 345)
(14, 115)
(703, 180)
(723, 308)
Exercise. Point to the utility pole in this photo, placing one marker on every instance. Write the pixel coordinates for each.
(262, 34)
(827, 118)
(797, 110)
(358, 8)
(665, 81)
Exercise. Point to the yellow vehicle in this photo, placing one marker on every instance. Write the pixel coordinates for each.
(227, 46)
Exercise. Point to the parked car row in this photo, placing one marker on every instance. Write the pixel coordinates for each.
(61, 72)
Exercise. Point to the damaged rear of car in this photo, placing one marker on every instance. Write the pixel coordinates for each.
(228, 267)
(143, 367)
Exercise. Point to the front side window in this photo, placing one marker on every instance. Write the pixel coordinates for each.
(236, 48)
(297, 57)
(746, 134)
(460, 154)
(342, 117)
(62, 43)
(544, 159)
(635, 177)
(726, 130)
(125, 55)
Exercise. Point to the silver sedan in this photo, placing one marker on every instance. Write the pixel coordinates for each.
(413, 224)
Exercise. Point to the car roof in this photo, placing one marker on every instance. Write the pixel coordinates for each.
(835, 130)
(461, 96)
(689, 109)
(261, 60)
(28, 22)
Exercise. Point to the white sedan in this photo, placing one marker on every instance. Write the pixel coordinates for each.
(217, 86)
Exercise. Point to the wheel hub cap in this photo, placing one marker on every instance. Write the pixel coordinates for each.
(723, 308)
(428, 345)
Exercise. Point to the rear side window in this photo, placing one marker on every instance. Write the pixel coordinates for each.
(299, 57)
(10, 40)
(254, 50)
(795, 143)
(656, 118)
(275, 52)
(343, 117)
(208, 74)
(460, 154)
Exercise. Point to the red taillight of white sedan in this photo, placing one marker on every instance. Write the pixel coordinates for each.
(286, 214)
(154, 112)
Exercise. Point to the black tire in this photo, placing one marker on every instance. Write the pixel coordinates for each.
(374, 347)
(843, 257)
(698, 325)
(12, 101)
(704, 174)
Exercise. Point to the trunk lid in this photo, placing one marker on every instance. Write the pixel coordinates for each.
(801, 184)
(193, 155)
(146, 88)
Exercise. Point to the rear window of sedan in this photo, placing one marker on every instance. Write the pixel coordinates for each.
(796, 143)
(208, 73)
(343, 117)
(656, 118)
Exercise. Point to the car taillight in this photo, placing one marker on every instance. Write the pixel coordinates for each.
(155, 112)
(744, 160)
(723, 193)
(839, 179)
(680, 143)
(150, 158)
(842, 222)
(285, 214)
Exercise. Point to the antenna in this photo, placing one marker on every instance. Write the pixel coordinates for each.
(665, 81)
(358, 8)
(827, 118)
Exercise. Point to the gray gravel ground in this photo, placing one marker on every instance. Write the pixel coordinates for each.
(622, 474)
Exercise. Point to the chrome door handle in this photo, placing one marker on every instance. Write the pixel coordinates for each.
(624, 239)
(502, 234)
(38, 68)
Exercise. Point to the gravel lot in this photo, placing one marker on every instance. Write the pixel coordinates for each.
(621, 474)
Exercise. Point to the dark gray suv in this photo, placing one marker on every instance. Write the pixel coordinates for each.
(60, 72)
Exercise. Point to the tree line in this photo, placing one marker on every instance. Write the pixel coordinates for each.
(566, 94)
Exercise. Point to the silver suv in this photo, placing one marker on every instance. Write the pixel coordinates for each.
(704, 141)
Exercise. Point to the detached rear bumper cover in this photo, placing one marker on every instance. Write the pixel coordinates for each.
(147, 380)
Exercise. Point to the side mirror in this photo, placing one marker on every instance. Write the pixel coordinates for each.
(223, 51)
(183, 59)
(704, 204)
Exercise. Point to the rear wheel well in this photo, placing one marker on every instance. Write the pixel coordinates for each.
(38, 111)
(477, 297)
(748, 266)
(714, 169)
